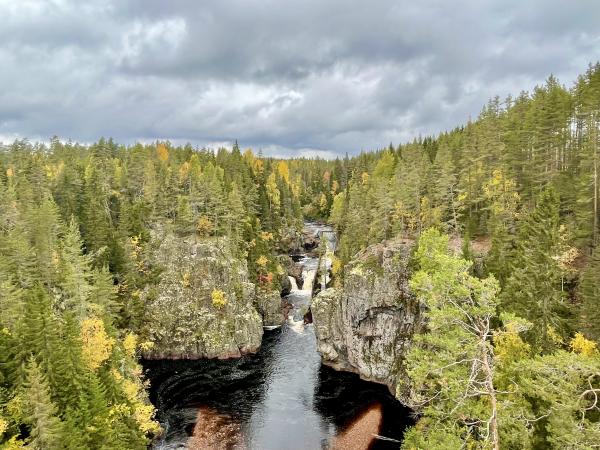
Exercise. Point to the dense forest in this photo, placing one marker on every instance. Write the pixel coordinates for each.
(76, 227)
(510, 359)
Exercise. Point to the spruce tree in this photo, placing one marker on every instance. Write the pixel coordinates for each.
(45, 430)
(589, 295)
(533, 290)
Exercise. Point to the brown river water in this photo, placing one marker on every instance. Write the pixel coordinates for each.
(282, 398)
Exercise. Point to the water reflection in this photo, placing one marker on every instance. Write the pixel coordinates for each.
(280, 398)
(286, 417)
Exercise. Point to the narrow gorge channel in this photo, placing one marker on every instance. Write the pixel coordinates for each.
(280, 398)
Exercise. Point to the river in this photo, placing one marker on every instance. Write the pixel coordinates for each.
(282, 398)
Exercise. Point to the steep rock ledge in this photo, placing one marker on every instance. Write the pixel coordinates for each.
(366, 326)
(181, 319)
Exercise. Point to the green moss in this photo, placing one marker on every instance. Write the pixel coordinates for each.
(370, 267)
(238, 291)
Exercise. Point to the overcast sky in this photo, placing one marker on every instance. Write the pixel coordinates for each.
(291, 77)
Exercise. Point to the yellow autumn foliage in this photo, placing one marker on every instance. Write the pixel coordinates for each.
(266, 236)
(162, 152)
(509, 347)
(280, 270)
(118, 411)
(262, 261)
(130, 344)
(116, 375)
(97, 345)
(204, 227)
(218, 298)
(14, 407)
(14, 444)
(256, 164)
(146, 345)
(336, 266)
(334, 187)
(284, 171)
(184, 171)
(130, 389)
(364, 178)
(3, 426)
(144, 416)
(323, 202)
(583, 346)
(142, 412)
(273, 191)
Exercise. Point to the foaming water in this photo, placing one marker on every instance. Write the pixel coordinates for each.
(293, 283)
(279, 399)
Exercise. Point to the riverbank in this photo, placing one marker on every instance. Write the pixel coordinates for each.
(280, 397)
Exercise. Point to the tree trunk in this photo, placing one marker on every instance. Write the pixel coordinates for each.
(489, 383)
(595, 150)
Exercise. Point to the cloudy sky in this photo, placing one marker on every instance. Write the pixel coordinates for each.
(291, 77)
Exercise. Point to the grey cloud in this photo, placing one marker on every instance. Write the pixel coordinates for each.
(290, 77)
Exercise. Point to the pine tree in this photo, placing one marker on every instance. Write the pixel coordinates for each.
(185, 217)
(451, 366)
(380, 200)
(235, 213)
(443, 186)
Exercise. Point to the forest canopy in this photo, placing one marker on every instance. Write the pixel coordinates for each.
(520, 183)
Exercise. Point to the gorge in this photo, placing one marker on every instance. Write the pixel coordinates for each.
(280, 397)
(141, 290)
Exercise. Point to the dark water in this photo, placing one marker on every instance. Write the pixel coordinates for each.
(280, 398)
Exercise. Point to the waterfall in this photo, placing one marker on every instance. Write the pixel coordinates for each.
(309, 277)
(293, 283)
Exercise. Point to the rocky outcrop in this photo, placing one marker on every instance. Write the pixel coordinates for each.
(293, 269)
(183, 318)
(366, 325)
(310, 240)
(286, 285)
(284, 282)
(291, 241)
(270, 307)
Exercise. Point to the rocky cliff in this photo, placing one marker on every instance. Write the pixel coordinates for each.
(366, 325)
(204, 305)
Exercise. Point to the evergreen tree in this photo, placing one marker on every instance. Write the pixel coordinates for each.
(40, 412)
(589, 294)
(451, 366)
(533, 289)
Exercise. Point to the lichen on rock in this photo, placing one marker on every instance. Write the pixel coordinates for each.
(269, 305)
(366, 325)
(183, 319)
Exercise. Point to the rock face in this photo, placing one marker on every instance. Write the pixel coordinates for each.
(366, 326)
(291, 241)
(293, 269)
(182, 320)
(270, 307)
(310, 240)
